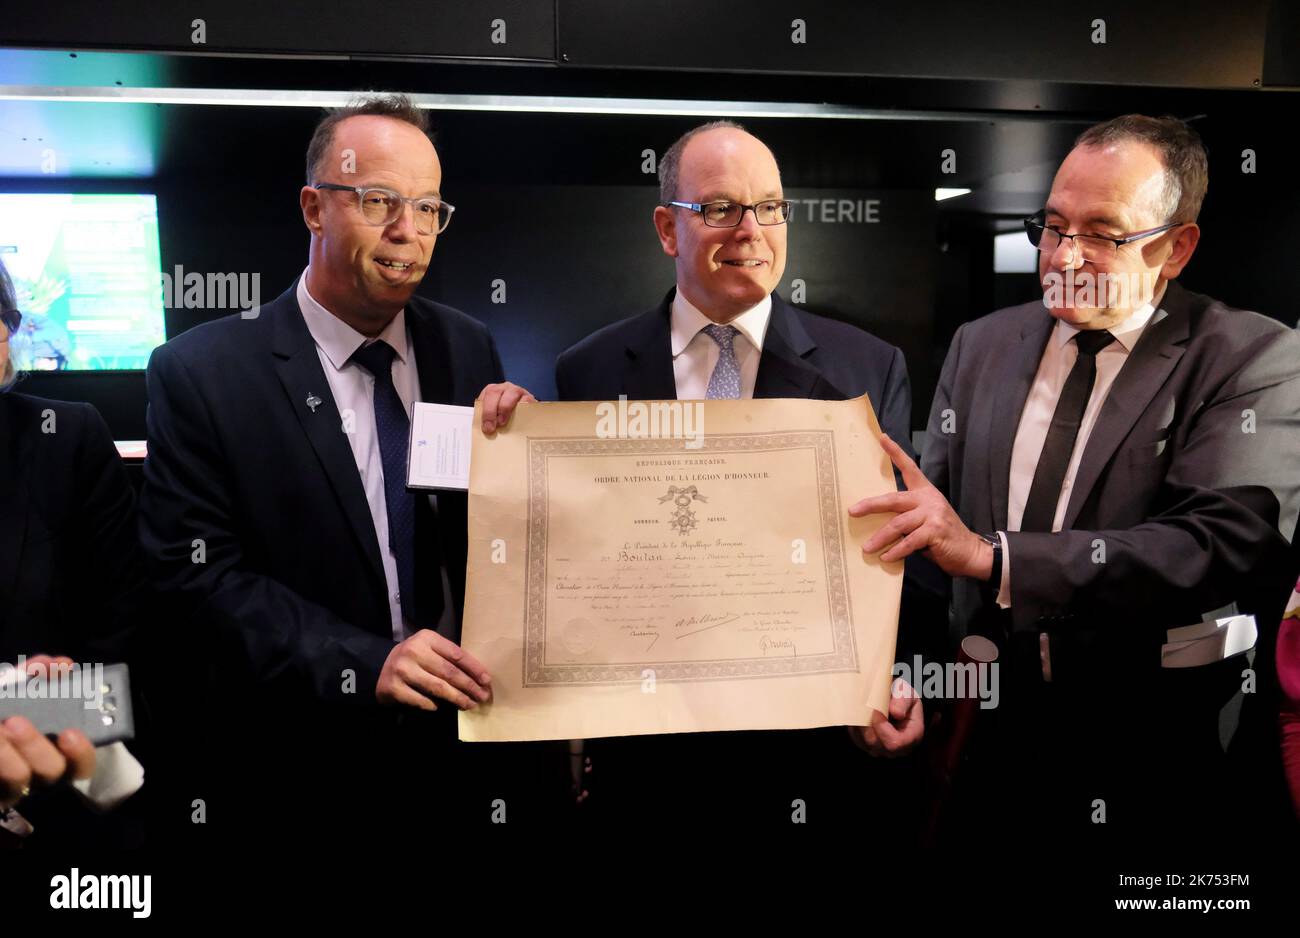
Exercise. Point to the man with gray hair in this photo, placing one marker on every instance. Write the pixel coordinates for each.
(1104, 467)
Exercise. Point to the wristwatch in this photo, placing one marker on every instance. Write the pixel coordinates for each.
(995, 575)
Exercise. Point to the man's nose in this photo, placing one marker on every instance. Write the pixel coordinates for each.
(749, 229)
(1066, 255)
(402, 228)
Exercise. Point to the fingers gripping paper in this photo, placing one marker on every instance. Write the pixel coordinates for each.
(678, 566)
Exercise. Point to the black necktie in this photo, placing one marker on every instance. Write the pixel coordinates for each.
(1049, 475)
(393, 428)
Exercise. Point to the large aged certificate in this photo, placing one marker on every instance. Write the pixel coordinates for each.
(663, 567)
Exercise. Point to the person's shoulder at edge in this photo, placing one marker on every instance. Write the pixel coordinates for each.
(78, 417)
(448, 318)
(196, 344)
(1000, 321)
(612, 336)
(1229, 328)
(836, 334)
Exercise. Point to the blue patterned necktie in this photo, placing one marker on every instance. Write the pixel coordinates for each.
(724, 383)
(393, 428)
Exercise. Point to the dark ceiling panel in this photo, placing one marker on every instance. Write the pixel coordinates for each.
(1155, 42)
(392, 28)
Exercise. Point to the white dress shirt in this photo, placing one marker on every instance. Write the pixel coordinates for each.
(353, 389)
(695, 354)
(1058, 358)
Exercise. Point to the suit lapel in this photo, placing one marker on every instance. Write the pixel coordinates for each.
(15, 469)
(1144, 372)
(431, 361)
(648, 363)
(782, 371)
(1012, 392)
(299, 370)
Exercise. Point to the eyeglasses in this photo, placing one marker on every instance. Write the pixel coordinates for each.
(12, 319)
(382, 207)
(729, 214)
(1093, 248)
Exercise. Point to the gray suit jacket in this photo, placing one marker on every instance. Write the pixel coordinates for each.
(1190, 482)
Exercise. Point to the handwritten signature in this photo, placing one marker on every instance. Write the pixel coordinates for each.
(703, 623)
(778, 644)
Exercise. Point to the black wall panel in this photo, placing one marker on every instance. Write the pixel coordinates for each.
(383, 27)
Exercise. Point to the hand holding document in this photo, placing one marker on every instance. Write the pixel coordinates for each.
(678, 566)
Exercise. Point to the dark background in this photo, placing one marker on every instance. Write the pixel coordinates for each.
(557, 206)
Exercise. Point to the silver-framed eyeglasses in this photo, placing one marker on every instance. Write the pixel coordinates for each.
(382, 207)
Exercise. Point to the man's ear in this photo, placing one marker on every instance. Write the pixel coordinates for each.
(666, 228)
(1184, 246)
(309, 200)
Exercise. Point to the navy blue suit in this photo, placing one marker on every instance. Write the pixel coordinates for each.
(804, 356)
(247, 454)
(239, 459)
(747, 778)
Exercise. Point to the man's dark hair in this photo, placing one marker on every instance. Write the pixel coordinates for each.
(670, 162)
(1187, 172)
(397, 106)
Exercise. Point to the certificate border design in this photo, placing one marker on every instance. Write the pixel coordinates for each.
(843, 657)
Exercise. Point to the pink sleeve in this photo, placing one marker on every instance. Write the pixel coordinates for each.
(1288, 671)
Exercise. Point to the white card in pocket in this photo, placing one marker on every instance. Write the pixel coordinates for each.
(438, 455)
(1207, 642)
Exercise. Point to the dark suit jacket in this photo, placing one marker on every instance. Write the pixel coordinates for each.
(71, 576)
(743, 778)
(290, 599)
(239, 460)
(804, 356)
(1189, 483)
(70, 566)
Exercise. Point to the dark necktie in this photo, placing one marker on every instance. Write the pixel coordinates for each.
(1049, 475)
(393, 428)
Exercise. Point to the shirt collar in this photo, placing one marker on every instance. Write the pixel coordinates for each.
(687, 321)
(337, 339)
(1126, 333)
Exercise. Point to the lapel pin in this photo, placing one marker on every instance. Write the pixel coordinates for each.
(313, 402)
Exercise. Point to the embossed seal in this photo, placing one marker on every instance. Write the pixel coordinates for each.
(578, 636)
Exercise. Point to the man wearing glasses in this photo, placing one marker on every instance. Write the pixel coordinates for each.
(275, 496)
(723, 332)
(1104, 466)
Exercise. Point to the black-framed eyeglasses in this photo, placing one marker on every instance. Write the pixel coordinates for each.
(12, 319)
(1092, 248)
(729, 214)
(382, 207)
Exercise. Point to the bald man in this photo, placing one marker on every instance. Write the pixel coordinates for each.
(723, 332)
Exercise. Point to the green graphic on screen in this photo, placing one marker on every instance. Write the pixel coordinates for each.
(88, 275)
